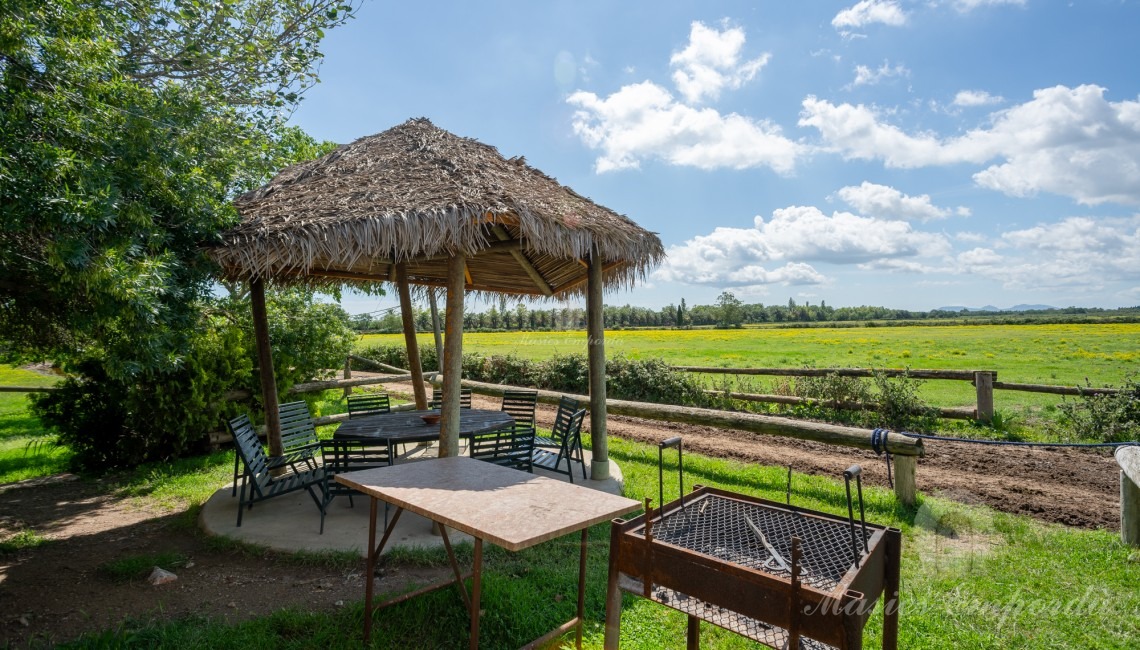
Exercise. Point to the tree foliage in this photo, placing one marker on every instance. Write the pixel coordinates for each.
(125, 131)
(111, 421)
(730, 311)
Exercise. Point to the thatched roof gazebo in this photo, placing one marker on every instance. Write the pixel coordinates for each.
(417, 205)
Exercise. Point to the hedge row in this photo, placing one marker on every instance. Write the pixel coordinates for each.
(641, 380)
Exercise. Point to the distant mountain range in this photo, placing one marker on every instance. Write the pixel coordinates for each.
(992, 308)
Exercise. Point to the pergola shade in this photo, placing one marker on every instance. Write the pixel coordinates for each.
(415, 194)
(416, 205)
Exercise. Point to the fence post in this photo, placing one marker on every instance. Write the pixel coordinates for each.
(1129, 511)
(1129, 460)
(347, 375)
(906, 488)
(984, 385)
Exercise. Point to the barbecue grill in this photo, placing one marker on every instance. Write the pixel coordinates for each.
(784, 576)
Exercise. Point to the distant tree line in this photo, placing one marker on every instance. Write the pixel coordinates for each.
(727, 312)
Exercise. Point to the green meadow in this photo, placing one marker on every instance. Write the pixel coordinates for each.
(26, 450)
(1032, 354)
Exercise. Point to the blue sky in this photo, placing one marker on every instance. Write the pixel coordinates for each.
(884, 152)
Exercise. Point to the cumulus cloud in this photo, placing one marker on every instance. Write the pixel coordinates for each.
(970, 98)
(885, 201)
(866, 12)
(976, 257)
(644, 120)
(865, 76)
(712, 62)
(1076, 252)
(1067, 141)
(782, 248)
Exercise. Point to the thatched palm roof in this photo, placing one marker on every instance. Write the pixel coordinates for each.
(416, 193)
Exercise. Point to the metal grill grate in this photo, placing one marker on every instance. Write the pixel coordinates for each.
(717, 526)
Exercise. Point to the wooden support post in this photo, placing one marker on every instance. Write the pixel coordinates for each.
(453, 356)
(984, 385)
(1129, 460)
(906, 488)
(265, 366)
(409, 321)
(435, 329)
(347, 375)
(596, 348)
(1129, 511)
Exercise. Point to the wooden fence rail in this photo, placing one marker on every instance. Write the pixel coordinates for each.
(905, 448)
(28, 389)
(961, 375)
(985, 383)
(961, 413)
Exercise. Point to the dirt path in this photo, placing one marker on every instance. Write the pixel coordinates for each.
(56, 591)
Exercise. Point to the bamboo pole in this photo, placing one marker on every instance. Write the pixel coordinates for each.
(596, 349)
(435, 329)
(265, 366)
(347, 375)
(409, 323)
(453, 356)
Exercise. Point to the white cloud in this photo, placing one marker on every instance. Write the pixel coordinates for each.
(1068, 141)
(966, 6)
(971, 98)
(1079, 252)
(969, 237)
(979, 257)
(885, 201)
(711, 62)
(644, 121)
(865, 76)
(887, 12)
(794, 237)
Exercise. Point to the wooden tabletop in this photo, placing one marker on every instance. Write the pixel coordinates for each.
(408, 426)
(507, 507)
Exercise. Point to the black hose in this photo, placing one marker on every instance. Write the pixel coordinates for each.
(1014, 443)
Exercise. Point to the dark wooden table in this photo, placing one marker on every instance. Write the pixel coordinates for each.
(408, 426)
(511, 509)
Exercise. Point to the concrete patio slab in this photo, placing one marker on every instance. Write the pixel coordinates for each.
(292, 522)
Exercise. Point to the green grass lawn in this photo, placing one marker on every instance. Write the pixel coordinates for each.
(26, 451)
(1034, 354)
(972, 577)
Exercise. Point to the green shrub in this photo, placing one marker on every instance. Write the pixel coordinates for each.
(113, 421)
(898, 406)
(565, 373)
(652, 380)
(894, 401)
(1104, 417)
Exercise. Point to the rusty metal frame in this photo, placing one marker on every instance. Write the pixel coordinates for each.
(640, 563)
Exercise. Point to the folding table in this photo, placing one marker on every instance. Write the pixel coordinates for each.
(507, 507)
